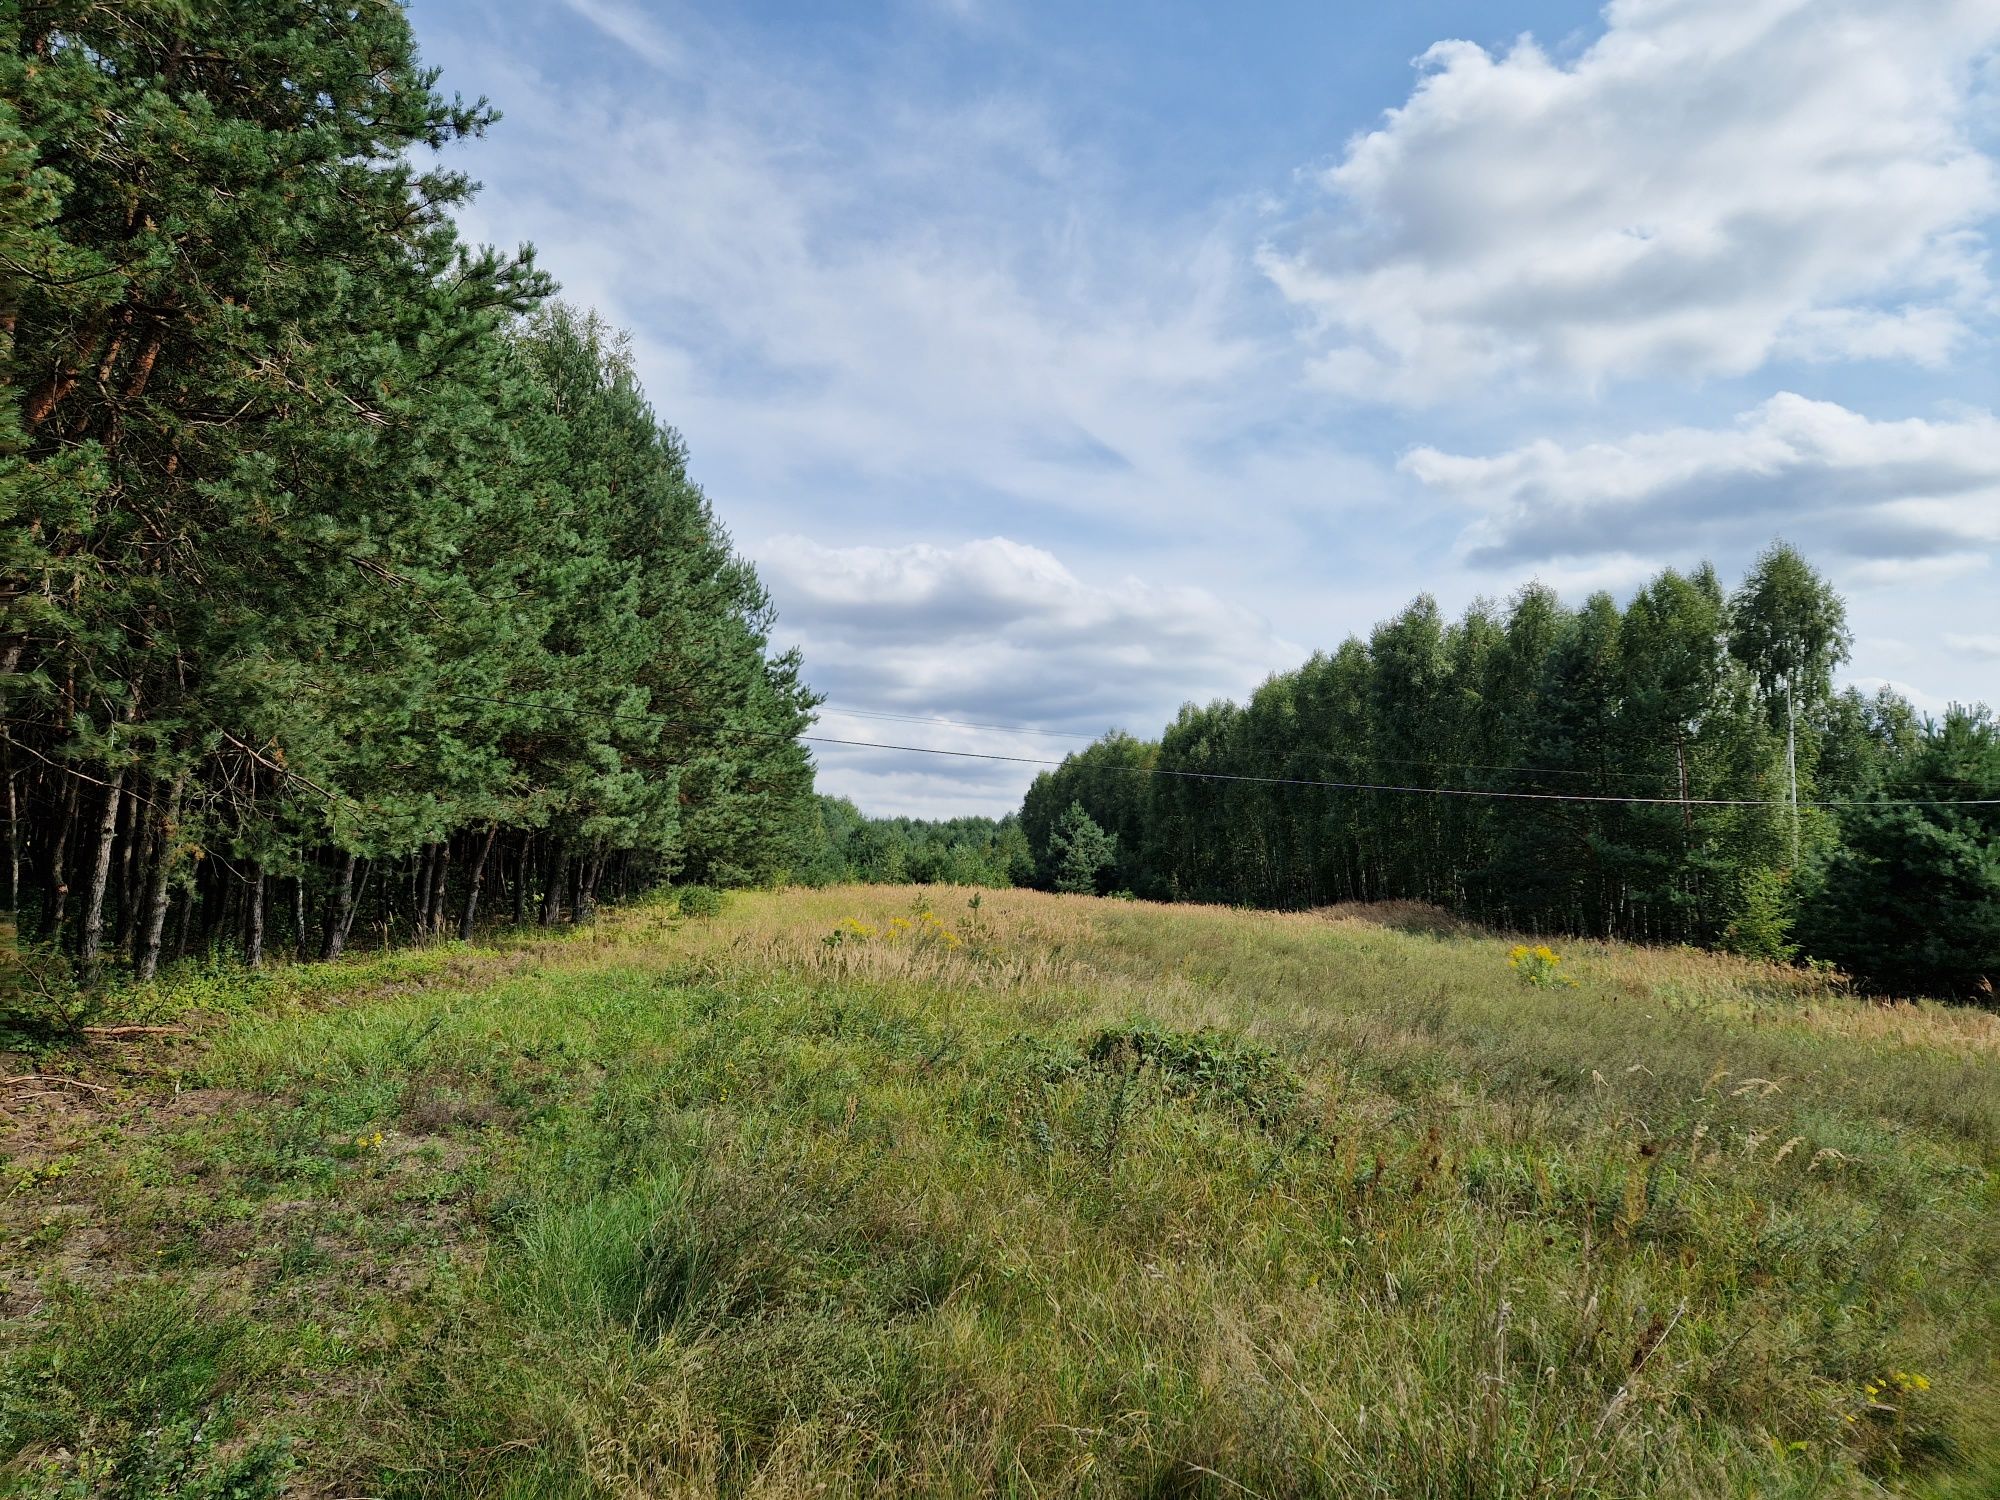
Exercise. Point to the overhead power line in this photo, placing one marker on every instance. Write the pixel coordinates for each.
(661, 721)
(872, 713)
(1599, 773)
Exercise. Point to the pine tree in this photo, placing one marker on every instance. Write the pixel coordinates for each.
(1081, 851)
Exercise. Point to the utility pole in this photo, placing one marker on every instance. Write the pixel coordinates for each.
(1792, 763)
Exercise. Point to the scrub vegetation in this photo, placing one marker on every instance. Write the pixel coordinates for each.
(933, 1190)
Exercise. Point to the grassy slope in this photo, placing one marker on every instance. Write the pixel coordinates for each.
(695, 1207)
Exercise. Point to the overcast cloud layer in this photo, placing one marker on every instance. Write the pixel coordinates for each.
(1057, 367)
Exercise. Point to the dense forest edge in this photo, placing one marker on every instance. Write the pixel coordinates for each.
(347, 579)
(1683, 769)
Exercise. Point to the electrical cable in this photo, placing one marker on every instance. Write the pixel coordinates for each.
(662, 721)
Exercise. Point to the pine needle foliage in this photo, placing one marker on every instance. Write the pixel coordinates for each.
(347, 578)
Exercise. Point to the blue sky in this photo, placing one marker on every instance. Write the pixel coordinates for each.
(1058, 363)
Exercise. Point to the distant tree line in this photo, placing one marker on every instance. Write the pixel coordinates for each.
(1714, 705)
(846, 845)
(348, 584)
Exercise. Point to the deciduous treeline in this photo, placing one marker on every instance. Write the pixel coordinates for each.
(1713, 705)
(349, 584)
(845, 845)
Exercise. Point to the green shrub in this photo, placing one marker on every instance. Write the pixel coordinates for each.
(1762, 924)
(1207, 1065)
(699, 901)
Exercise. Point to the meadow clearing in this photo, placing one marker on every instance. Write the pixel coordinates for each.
(878, 1190)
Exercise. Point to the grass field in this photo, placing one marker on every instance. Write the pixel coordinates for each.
(1034, 1196)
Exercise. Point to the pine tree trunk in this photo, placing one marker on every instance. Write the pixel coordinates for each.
(588, 871)
(218, 895)
(385, 911)
(521, 880)
(420, 897)
(184, 921)
(253, 935)
(552, 883)
(58, 868)
(473, 881)
(100, 875)
(13, 842)
(339, 908)
(141, 834)
(128, 845)
(159, 891)
(299, 914)
(354, 906)
(440, 869)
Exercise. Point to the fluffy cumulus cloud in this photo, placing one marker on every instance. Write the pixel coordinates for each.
(993, 632)
(1909, 501)
(1710, 185)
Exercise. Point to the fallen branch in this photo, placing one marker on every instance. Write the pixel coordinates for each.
(76, 1083)
(117, 1031)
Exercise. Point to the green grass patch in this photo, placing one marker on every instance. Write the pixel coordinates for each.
(1032, 1196)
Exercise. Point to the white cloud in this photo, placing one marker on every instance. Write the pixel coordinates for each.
(1986, 647)
(1711, 184)
(997, 632)
(886, 294)
(1907, 500)
(1912, 572)
(914, 290)
(842, 287)
(631, 29)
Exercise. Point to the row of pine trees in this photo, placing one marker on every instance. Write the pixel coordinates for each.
(346, 580)
(1689, 696)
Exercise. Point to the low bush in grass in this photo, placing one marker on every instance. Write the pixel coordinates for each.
(699, 901)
